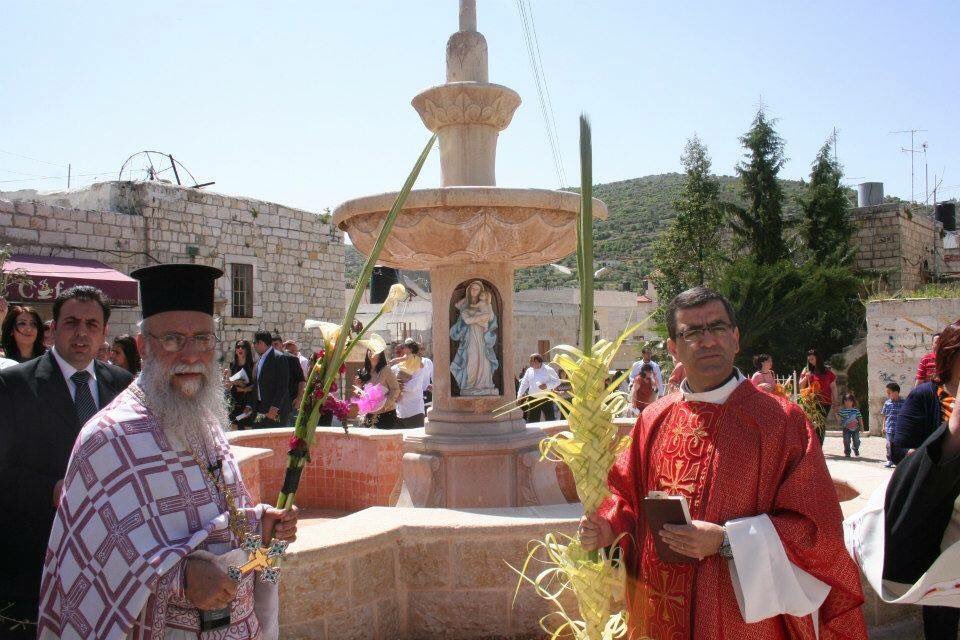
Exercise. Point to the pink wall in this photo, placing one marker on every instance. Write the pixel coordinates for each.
(347, 472)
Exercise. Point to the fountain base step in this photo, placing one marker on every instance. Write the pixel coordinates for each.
(462, 472)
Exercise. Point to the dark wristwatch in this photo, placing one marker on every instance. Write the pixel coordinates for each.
(725, 551)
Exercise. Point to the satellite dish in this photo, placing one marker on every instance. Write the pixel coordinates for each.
(157, 166)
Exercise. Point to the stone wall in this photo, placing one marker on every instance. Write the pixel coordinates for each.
(899, 332)
(391, 573)
(297, 256)
(902, 247)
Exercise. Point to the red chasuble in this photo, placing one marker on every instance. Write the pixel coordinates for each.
(755, 454)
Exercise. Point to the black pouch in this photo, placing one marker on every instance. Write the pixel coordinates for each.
(214, 619)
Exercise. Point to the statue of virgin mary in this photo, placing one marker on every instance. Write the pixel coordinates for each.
(476, 331)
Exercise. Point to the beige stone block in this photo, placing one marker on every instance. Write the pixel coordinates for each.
(458, 614)
(487, 562)
(313, 630)
(358, 623)
(373, 575)
(425, 565)
(29, 235)
(6, 219)
(388, 625)
(314, 589)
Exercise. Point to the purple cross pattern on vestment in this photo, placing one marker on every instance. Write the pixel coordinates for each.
(70, 607)
(117, 534)
(187, 500)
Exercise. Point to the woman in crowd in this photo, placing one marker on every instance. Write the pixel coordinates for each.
(125, 354)
(819, 376)
(764, 377)
(22, 334)
(645, 389)
(241, 390)
(928, 406)
(376, 372)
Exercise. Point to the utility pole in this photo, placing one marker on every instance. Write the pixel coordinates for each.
(912, 151)
(69, 171)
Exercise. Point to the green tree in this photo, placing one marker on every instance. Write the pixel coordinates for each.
(826, 228)
(760, 224)
(688, 253)
(784, 309)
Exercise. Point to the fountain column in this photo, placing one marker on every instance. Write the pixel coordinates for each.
(470, 453)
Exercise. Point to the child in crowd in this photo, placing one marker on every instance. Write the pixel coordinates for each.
(851, 422)
(891, 409)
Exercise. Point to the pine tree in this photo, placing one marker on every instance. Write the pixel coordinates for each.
(688, 253)
(827, 230)
(760, 225)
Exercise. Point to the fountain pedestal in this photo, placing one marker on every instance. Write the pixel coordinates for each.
(471, 453)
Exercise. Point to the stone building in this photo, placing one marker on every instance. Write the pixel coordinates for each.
(281, 265)
(903, 248)
(899, 332)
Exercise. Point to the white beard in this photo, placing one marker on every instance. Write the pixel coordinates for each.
(202, 415)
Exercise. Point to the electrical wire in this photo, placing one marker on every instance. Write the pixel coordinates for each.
(18, 155)
(540, 83)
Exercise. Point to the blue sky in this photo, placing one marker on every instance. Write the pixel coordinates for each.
(308, 103)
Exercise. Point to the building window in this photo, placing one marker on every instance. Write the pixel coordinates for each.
(241, 286)
(543, 347)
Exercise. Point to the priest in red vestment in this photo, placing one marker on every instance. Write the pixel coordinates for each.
(766, 534)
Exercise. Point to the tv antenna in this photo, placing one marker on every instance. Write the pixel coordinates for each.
(157, 166)
(912, 151)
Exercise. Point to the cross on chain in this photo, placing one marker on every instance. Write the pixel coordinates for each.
(117, 537)
(264, 559)
(70, 606)
(187, 500)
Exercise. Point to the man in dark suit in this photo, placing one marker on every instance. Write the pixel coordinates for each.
(271, 383)
(43, 404)
(297, 380)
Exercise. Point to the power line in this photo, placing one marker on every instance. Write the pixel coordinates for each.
(546, 88)
(539, 83)
(19, 155)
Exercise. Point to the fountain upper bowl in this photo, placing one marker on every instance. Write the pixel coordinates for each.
(461, 225)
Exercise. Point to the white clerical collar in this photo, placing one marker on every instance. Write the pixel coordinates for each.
(714, 396)
(68, 369)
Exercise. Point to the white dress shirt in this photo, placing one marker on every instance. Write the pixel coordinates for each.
(533, 378)
(410, 402)
(428, 367)
(68, 370)
(260, 362)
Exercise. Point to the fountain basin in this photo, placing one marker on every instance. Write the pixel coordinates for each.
(463, 225)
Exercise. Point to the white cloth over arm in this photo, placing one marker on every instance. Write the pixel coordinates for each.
(865, 537)
(766, 583)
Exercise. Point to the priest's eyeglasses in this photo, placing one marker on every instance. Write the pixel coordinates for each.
(174, 342)
(696, 334)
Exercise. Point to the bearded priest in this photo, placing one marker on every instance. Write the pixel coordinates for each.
(153, 507)
(763, 556)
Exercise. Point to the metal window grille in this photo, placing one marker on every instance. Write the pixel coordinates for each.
(241, 277)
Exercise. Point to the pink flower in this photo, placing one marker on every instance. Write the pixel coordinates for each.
(337, 407)
(371, 398)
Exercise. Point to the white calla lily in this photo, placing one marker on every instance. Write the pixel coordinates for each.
(328, 330)
(397, 293)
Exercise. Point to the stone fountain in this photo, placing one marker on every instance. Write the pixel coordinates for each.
(471, 236)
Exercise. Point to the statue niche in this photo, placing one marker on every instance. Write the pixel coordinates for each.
(475, 310)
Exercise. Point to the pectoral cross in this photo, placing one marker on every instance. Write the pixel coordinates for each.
(263, 559)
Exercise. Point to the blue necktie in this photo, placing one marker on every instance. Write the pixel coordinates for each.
(83, 400)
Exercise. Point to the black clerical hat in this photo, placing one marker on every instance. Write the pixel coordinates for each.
(176, 287)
